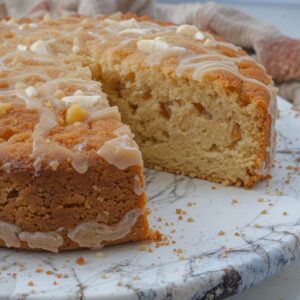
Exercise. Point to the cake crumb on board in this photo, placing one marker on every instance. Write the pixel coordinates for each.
(100, 254)
(39, 270)
(221, 233)
(103, 276)
(30, 283)
(80, 261)
(142, 248)
(49, 272)
(234, 201)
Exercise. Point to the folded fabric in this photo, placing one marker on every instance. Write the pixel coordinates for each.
(278, 53)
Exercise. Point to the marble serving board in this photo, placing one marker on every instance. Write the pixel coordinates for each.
(220, 240)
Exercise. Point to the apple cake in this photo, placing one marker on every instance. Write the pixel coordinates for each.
(71, 171)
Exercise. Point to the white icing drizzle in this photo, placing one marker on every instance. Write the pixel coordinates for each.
(204, 66)
(151, 46)
(106, 113)
(137, 185)
(19, 78)
(7, 167)
(156, 57)
(33, 25)
(26, 56)
(9, 234)
(139, 31)
(187, 30)
(122, 152)
(54, 164)
(199, 36)
(31, 92)
(124, 129)
(84, 101)
(22, 47)
(93, 234)
(50, 241)
(90, 234)
(210, 43)
(229, 45)
(40, 48)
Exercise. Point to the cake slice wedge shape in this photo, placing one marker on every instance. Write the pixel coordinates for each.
(71, 174)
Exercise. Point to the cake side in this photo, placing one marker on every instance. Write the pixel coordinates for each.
(60, 209)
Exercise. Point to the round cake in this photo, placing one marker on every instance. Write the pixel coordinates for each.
(71, 171)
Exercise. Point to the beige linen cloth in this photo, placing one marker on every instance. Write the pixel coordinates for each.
(278, 53)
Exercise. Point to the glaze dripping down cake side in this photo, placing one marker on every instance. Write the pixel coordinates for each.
(71, 171)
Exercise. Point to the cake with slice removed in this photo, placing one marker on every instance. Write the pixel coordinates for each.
(71, 172)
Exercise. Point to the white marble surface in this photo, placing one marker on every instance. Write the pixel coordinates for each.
(210, 266)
